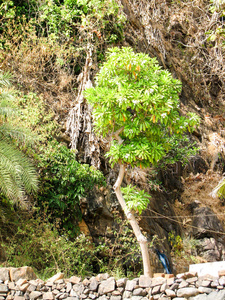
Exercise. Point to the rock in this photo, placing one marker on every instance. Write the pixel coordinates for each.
(187, 292)
(103, 276)
(34, 295)
(55, 278)
(93, 284)
(21, 281)
(204, 220)
(170, 293)
(220, 287)
(156, 290)
(130, 285)
(86, 282)
(157, 281)
(69, 287)
(3, 288)
(24, 287)
(4, 274)
(163, 287)
(139, 292)
(12, 285)
(192, 280)
(55, 292)
(102, 298)
(107, 286)
(222, 280)
(23, 272)
(205, 290)
(170, 281)
(75, 279)
(212, 296)
(127, 294)
(174, 286)
(48, 296)
(115, 298)
(217, 295)
(116, 293)
(214, 283)
(63, 296)
(121, 282)
(78, 288)
(183, 284)
(19, 298)
(120, 289)
(144, 281)
(206, 283)
(73, 293)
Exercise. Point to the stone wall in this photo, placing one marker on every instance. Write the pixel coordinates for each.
(22, 284)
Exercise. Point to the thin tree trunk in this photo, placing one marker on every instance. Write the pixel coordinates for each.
(130, 216)
(134, 224)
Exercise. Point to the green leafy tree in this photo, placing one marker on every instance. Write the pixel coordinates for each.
(17, 174)
(136, 105)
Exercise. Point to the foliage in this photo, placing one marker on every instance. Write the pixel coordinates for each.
(36, 115)
(217, 5)
(181, 150)
(219, 190)
(60, 20)
(176, 242)
(37, 243)
(133, 94)
(17, 174)
(136, 200)
(63, 183)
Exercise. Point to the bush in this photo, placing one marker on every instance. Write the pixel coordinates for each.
(38, 244)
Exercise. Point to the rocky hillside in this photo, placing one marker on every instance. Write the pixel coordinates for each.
(187, 37)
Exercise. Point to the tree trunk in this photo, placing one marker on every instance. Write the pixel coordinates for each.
(134, 224)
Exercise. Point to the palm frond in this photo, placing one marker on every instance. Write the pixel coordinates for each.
(5, 79)
(17, 174)
(21, 135)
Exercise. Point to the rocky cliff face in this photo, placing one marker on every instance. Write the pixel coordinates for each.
(178, 34)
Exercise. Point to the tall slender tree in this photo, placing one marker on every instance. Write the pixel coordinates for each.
(136, 105)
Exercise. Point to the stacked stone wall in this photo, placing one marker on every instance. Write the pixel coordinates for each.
(22, 284)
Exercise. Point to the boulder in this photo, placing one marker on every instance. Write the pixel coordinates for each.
(23, 272)
(144, 281)
(93, 284)
(75, 279)
(4, 274)
(187, 292)
(107, 286)
(205, 220)
(34, 295)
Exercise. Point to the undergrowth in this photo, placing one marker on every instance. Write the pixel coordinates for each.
(37, 243)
